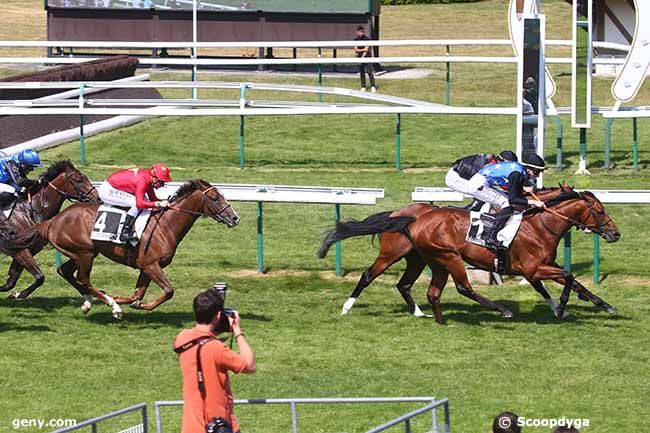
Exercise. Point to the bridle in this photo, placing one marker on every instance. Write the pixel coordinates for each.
(218, 214)
(80, 196)
(580, 225)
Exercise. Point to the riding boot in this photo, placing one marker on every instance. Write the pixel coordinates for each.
(127, 228)
(500, 220)
(474, 206)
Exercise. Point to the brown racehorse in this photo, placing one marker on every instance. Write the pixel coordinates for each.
(69, 232)
(62, 181)
(436, 237)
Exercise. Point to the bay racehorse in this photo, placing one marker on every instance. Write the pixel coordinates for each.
(69, 232)
(434, 236)
(62, 181)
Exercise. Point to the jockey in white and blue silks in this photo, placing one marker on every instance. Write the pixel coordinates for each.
(512, 177)
(14, 181)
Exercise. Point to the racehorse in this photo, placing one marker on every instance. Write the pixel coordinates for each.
(433, 236)
(69, 232)
(62, 181)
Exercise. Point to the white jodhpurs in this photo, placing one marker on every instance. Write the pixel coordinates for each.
(482, 190)
(457, 183)
(116, 197)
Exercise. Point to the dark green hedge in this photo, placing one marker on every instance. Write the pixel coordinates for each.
(412, 2)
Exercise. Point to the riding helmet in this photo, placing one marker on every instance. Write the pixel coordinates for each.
(534, 161)
(508, 155)
(28, 157)
(161, 171)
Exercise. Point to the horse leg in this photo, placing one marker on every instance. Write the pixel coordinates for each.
(392, 247)
(157, 275)
(558, 274)
(583, 291)
(15, 269)
(414, 266)
(140, 289)
(586, 295)
(439, 277)
(67, 270)
(85, 264)
(26, 260)
(541, 289)
(456, 267)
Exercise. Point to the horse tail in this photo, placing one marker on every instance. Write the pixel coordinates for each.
(374, 224)
(30, 238)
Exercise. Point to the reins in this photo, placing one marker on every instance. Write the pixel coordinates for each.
(578, 224)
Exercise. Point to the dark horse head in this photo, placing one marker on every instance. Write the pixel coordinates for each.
(64, 178)
(589, 213)
(213, 204)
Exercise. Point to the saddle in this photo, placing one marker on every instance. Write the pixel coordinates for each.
(109, 221)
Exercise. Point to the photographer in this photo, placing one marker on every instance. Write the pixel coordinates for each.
(208, 403)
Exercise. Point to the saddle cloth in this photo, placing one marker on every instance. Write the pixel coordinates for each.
(480, 225)
(109, 221)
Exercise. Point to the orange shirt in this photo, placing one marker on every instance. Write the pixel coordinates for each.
(216, 360)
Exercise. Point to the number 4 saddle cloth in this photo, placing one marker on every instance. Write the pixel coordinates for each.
(109, 221)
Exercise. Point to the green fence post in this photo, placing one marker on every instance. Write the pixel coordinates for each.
(57, 259)
(608, 141)
(567, 251)
(82, 143)
(398, 141)
(560, 135)
(635, 145)
(583, 144)
(320, 74)
(260, 239)
(241, 142)
(596, 259)
(337, 218)
(448, 79)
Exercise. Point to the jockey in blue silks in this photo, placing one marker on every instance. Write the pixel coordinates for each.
(513, 177)
(14, 181)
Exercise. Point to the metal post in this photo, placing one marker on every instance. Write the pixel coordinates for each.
(434, 419)
(145, 420)
(260, 239)
(448, 78)
(82, 143)
(583, 143)
(337, 218)
(195, 32)
(93, 428)
(596, 259)
(407, 426)
(294, 417)
(320, 74)
(241, 142)
(635, 145)
(608, 141)
(560, 134)
(158, 420)
(398, 141)
(447, 419)
(567, 251)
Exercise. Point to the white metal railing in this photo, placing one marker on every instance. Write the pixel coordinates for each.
(294, 402)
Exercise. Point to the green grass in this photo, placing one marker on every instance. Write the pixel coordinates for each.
(58, 363)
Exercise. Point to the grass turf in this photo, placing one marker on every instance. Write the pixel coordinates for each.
(60, 364)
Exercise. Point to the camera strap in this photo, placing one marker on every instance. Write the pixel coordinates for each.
(199, 369)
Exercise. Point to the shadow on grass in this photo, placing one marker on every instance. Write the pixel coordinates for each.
(5, 327)
(44, 304)
(173, 319)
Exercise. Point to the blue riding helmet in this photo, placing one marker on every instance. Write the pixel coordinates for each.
(28, 157)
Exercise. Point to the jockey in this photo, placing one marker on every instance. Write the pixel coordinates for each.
(514, 177)
(13, 179)
(462, 176)
(128, 188)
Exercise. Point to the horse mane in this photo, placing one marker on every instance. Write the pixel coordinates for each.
(56, 169)
(564, 196)
(188, 188)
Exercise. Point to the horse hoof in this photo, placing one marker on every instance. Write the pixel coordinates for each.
(507, 314)
(118, 315)
(136, 304)
(612, 311)
(13, 295)
(86, 306)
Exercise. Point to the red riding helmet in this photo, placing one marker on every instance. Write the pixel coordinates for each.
(161, 172)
